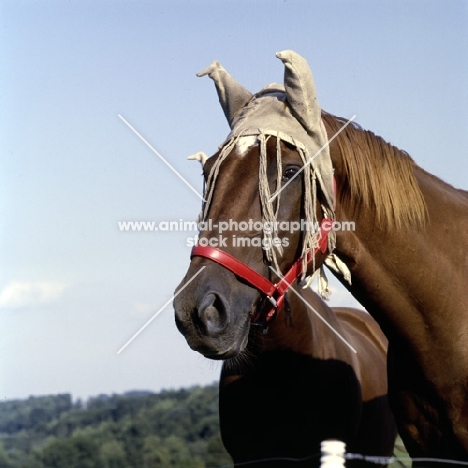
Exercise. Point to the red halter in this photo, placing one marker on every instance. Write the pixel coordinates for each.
(274, 292)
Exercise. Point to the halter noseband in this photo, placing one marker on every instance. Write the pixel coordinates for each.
(275, 293)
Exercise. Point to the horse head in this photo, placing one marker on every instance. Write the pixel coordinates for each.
(268, 189)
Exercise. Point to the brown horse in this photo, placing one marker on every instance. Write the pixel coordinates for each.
(284, 391)
(409, 265)
(407, 255)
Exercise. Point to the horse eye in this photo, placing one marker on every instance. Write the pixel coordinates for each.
(289, 173)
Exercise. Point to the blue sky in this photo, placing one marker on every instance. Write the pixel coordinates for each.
(73, 289)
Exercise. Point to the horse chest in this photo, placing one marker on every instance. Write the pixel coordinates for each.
(287, 404)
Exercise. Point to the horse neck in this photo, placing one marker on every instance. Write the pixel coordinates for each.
(410, 274)
(303, 331)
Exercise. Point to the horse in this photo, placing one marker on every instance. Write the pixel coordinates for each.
(288, 381)
(407, 255)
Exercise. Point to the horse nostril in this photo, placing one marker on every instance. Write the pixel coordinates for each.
(212, 314)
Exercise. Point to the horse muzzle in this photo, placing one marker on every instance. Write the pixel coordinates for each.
(215, 323)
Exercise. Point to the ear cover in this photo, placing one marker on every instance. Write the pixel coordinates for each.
(300, 90)
(232, 96)
(302, 98)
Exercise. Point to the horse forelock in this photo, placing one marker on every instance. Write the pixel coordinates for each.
(234, 147)
(377, 176)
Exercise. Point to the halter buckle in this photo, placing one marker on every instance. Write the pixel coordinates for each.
(273, 301)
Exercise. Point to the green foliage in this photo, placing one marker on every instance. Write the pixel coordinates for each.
(75, 452)
(5, 460)
(19, 415)
(113, 455)
(173, 429)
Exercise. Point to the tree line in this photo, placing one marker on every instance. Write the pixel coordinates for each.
(174, 429)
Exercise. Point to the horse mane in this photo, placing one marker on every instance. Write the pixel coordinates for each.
(378, 177)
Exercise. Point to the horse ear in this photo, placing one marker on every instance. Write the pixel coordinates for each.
(232, 96)
(300, 90)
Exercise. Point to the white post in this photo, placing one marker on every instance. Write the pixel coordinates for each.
(333, 454)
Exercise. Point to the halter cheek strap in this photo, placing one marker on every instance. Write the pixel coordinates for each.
(275, 293)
